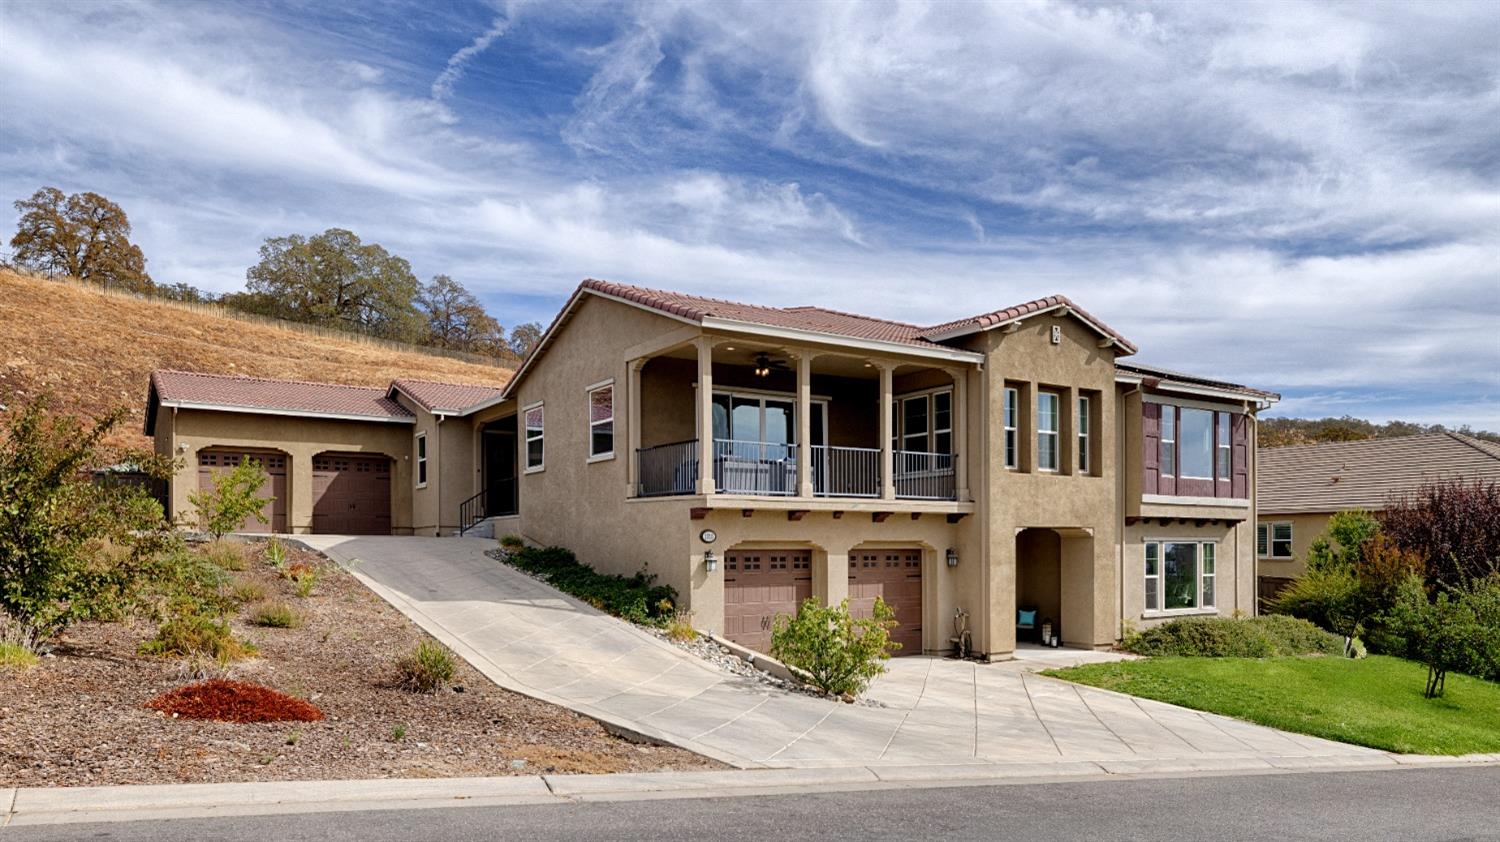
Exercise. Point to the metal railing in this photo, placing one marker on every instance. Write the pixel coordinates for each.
(925, 476)
(667, 469)
(498, 500)
(755, 467)
(845, 471)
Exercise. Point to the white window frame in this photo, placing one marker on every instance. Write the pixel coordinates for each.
(1012, 432)
(592, 423)
(419, 448)
(526, 438)
(1262, 540)
(1083, 434)
(1054, 432)
(1223, 453)
(1168, 451)
(1271, 540)
(1158, 581)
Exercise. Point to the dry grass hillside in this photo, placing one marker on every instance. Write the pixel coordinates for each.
(95, 350)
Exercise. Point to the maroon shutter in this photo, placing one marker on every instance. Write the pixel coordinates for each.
(1150, 447)
(1239, 447)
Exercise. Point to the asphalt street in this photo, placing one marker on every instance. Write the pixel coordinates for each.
(1408, 804)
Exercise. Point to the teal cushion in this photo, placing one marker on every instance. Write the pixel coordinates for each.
(1025, 618)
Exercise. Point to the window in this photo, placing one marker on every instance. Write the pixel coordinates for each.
(942, 422)
(1168, 441)
(602, 422)
(1195, 443)
(1046, 430)
(914, 424)
(534, 450)
(924, 423)
(1180, 575)
(1083, 435)
(1280, 543)
(1222, 451)
(421, 460)
(1011, 432)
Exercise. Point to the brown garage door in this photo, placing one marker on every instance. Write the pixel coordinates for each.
(351, 494)
(218, 460)
(896, 577)
(758, 585)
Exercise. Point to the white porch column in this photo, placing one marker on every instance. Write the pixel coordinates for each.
(887, 450)
(961, 432)
(804, 425)
(705, 415)
(633, 425)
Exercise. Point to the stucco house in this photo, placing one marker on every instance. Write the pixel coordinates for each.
(1302, 486)
(753, 456)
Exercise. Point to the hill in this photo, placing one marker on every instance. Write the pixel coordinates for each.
(94, 349)
(1279, 432)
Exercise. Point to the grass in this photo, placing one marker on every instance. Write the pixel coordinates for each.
(427, 669)
(276, 615)
(14, 656)
(1375, 701)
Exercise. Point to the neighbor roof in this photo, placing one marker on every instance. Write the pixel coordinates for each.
(1163, 378)
(1334, 476)
(443, 398)
(261, 395)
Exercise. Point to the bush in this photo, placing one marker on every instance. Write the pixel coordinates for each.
(511, 542)
(245, 591)
(189, 634)
(1329, 597)
(275, 553)
(1222, 637)
(426, 669)
(70, 549)
(1452, 525)
(1458, 630)
(303, 576)
(839, 654)
(234, 497)
(227, 554)
(680, 627)
(276, 615)
(634, 598)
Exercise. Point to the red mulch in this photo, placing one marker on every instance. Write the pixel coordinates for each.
(234, 701)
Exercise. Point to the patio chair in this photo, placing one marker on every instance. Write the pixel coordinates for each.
(1028, 624)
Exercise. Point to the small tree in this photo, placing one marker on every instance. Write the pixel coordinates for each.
(234, 497)
(83, 235)
(1457, 631)
(840, 654)
(1342, 546)
(1453, 525)
(71, 549)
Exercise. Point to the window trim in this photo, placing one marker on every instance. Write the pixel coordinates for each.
(419, 450)
(1223, 447)
(1010, 419)
(1055, 432)
(1085, 407)
(526, 439)
(899, 434)
(1212, 450)
(1168, 444)
(1271, 539)
(1198, 577)
(589, 418)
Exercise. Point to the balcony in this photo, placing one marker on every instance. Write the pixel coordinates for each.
(769, 469)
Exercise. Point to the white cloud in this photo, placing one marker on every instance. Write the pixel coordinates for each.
(442, 86)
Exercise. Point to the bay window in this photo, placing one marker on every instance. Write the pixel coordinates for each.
(1180, 575)
(1195, 443)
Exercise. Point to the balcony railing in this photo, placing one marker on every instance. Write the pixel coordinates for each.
(667, 469)
(845, 471)
(925, 476)
(755, 467)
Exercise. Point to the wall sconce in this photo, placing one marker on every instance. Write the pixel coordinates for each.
(710, 561)
(952, 557)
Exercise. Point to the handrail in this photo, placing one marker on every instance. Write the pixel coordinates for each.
(472, 511)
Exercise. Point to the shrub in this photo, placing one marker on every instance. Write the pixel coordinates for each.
(1222, 637)
(275, 553)
(1329, 597)
(188, 634)
(234, 701)
(303, 576)
(511, 542)
(234, 497)
(1458, 630)
(276, 615)
(70, 549)
(425, 669)
(1453, 525)
(245, 591)
(633, 598)
(680, 627)
(227, 554)
(839, 654)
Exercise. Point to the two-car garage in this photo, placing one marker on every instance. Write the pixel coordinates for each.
(351, 492)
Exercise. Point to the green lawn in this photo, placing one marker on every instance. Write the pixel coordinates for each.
(1375, 701)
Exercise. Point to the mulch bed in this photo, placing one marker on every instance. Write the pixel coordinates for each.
(79, 718)
(222, 700)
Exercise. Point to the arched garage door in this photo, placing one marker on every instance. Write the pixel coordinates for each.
(351, 494)
(758, 585)
(894, 575)
(214, 461)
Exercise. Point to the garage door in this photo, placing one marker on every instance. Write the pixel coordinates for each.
(351, 494)
(896, 577)
(758, 585)
(215, 461)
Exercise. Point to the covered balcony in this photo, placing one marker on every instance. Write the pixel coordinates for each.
(796, 423)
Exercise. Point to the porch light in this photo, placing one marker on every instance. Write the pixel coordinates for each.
(952, 557)
(710, 561)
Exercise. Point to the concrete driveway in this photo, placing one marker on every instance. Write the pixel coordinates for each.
(931, 712)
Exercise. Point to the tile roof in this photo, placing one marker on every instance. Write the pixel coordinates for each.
(960, 327)
(444, 397)
(1334, 476)
(1169, 378)
(258, 394)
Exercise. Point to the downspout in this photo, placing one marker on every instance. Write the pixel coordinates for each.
(1120, 428)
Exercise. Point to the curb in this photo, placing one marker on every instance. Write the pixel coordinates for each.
(68, 805)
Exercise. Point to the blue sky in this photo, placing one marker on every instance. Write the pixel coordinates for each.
(1305, 198)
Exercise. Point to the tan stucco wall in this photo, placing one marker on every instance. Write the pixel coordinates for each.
(1306, 527)
(184, 432)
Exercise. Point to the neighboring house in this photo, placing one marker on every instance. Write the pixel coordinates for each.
(1302, 486)
(755, 456)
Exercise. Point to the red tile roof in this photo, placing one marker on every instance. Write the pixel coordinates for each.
(996, 318)
(444, 397)
(258, 394)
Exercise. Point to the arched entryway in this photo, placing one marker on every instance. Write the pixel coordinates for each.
(1055, 579)
(351, 494)
(215, 461)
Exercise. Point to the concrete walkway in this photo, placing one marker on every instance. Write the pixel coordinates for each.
(933, 714)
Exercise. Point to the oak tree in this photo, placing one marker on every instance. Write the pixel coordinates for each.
(336, 280)
(83, 235)
(456, 320)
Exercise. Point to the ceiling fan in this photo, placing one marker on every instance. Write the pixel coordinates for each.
(764, 365)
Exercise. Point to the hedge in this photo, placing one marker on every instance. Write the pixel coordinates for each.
(1221, 637)
(634, 598)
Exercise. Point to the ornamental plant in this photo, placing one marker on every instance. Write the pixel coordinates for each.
(840, 654)
(234, 497)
